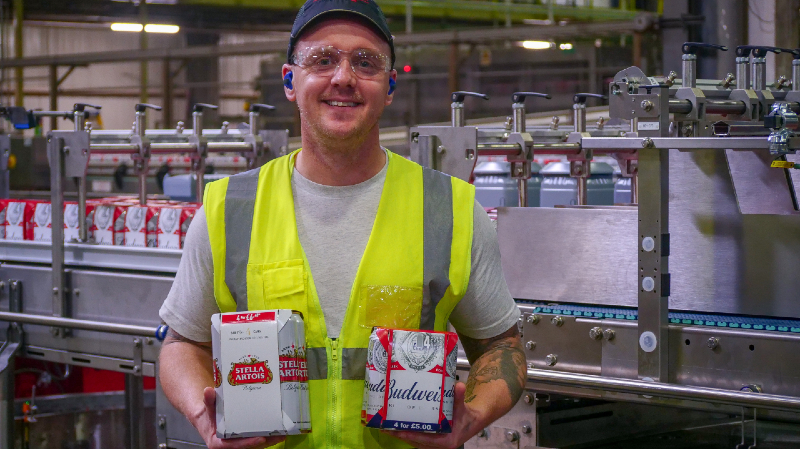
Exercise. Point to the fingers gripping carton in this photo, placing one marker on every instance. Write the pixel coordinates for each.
(410, 380)
(258, 357)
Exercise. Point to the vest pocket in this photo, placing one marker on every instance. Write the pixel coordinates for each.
(283, 285)
(391, 306)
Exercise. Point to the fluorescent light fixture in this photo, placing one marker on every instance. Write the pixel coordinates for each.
(157, 28)
(566, 46)
(537, 45)
(133, 27)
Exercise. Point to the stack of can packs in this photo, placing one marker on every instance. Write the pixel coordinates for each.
(252, 398)
(410, 380)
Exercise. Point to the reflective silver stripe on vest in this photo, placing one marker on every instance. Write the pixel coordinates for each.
(438, 239)
(354, 363)
(240, 203)
(317, 363)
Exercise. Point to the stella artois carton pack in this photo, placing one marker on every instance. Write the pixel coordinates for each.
(410, 380)
(103, 223)
(187, 215)
(168, 232)
(260, 374)
(16, 219)
(42, 222)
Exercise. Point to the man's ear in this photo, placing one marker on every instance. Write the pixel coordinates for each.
(391, 87)
(288, 87)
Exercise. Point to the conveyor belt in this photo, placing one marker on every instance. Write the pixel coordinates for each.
(697, 319)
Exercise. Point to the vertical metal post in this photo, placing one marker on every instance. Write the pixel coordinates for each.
(689, 78)
(758, 75)
(166, 82)
(7, 388)
(522, 189)
(199, 163)
(796, 75)
(134, 408)
(83, 233)
(55, 149)
(457, 114)
(140, 126)
(409, 17)
(519, 117)
(653, 249)
(635, 186)
(143, 94)
(19, 72)
(742, 72)
(52, 76)
(579, 117)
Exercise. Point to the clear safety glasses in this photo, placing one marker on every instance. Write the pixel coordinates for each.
(323, 61)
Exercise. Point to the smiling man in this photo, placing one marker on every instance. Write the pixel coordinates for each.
(352, 236)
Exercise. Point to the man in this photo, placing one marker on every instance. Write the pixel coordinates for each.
(352, 236)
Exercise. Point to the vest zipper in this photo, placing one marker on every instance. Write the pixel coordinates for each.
(334, 414)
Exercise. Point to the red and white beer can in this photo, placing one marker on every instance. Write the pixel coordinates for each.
(260, 356)
(410, 380)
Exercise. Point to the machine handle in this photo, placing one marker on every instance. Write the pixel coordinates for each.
(458, 97)
(519, 97)
(759, 51)
(795, 53)
(581, 98)
(260, 107)
(141, 107)
(690, 48)
(198, 107)
(79, 107)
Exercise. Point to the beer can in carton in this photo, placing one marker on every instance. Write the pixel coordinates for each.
(16, 219)
(410, 380)
(260, 356)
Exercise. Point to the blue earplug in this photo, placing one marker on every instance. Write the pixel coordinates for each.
(287, 80)
(392, 84)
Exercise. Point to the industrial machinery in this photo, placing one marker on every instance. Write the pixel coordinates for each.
(685, 297)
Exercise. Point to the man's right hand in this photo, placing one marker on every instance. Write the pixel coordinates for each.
(206, 424)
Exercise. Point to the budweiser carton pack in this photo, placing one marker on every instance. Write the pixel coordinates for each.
(258, 358)
(410, 380)
(16, 219)
(173, 223)
(139, 226)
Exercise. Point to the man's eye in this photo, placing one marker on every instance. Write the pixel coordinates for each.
(324, 61)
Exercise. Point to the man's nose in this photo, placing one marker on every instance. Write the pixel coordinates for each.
(344, 75)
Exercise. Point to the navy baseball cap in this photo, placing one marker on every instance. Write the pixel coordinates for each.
(313, 10)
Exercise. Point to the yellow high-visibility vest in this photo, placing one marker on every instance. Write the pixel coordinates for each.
(414, 271)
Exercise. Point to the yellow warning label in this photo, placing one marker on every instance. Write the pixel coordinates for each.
(782, 164)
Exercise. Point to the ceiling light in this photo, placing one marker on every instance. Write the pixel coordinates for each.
(156, 28)
(134, 27)
(537, 45)
(566, 46)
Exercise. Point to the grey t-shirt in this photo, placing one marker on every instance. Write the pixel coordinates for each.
(334, 224)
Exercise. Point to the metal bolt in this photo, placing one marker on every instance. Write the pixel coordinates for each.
(528, 398)
(533, 318)
(530, 346)
(137, 342)
(162, 446)
(162, 423)
(509, 122)
(148, 341)
(441, 149)
(609, 334)
(688, 130)
(648, 143)
(66, 150)
(483, 433)
(557, 321)
(752, 388)
(551, 359)
(470, 154)
(180, 127)
(526, 429)
(55, 290)
(729, 79)
(137, 369)
(595, 333)
(76, 291)
(713, 343)
(781, 82)
(55, 332)
(512, 436)
(2, 285)
(530, 365)
(647, 105)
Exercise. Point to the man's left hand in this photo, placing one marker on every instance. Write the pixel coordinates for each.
(466, 423)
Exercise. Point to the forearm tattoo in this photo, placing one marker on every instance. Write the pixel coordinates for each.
(500, 358)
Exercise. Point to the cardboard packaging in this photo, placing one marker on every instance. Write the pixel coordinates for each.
(260, 373)
(410, 380)
(103, 223)
(140, 226)
(16, 219)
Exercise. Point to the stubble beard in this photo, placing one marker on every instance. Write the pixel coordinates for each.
(335, 144)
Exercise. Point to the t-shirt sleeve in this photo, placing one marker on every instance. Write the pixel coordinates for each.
(487, 308)
(190, 302)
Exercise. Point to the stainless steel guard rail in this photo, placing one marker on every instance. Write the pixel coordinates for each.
(125, 329)
(662, 390)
